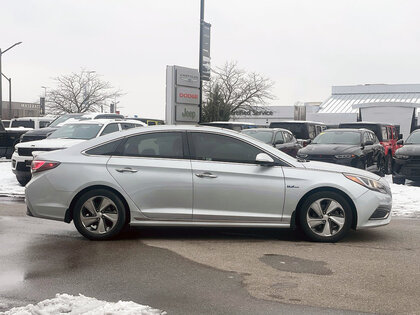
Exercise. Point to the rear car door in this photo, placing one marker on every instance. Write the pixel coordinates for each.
(154, 170)
(229, 185)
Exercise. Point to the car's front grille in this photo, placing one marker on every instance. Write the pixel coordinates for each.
(321, 158)
(28, 151)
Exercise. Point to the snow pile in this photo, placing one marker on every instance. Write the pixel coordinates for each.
(72, 305)
(9, 186)
(405, 199)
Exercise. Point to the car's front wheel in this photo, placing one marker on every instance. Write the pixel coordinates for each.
(398, 180)
(99, 215)
(325, 216)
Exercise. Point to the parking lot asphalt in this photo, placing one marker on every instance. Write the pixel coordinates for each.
(212, 271)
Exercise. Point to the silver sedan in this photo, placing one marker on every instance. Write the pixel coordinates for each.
(200, 176)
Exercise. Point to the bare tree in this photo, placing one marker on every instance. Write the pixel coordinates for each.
(235, 90)
(79, 93)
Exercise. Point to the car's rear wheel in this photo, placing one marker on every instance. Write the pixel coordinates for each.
(99, 214)
(23, 180)
(325, 216)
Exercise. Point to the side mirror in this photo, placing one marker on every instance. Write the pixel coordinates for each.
(401, 141)
(400, 136)
(264, 159)
(309, 141)
(369, 142)
(279, 142)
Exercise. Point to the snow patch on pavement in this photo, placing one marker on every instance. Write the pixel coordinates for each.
(9, 186)
(82, 305)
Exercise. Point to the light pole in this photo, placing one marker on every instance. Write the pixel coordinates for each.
(1, 91)
(10, 95)
(42, 100)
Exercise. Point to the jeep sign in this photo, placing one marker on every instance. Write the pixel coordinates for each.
(187, 113)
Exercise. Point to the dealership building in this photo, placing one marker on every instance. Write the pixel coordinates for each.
(387, 103)
(20, 109)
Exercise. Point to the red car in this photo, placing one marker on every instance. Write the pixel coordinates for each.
(387, 134)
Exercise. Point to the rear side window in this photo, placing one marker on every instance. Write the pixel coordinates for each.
(155, 145)
(110, 129)
(212, 147)
(43, 124)
(125, 126)
(109, 148)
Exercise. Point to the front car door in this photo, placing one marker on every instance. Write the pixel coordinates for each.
(229, 185)
(154, 170)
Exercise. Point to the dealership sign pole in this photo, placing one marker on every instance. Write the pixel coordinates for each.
(204, 56)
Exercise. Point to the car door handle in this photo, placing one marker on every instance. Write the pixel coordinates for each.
(206, 174)
(126, 170)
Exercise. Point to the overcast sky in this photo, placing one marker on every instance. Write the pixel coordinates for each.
(305, 47)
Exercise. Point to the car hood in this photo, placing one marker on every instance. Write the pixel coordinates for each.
(409, 149)
(41, 132)
(329, 149)
(338, 169)
(50, 143)
(19, 129)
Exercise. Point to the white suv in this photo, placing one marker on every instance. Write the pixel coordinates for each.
(64, 137)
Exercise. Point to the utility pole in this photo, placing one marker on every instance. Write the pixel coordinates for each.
(1, 91)
(10, 94)
(200, 64)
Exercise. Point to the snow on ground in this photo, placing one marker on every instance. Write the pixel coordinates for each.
(9, 186)
(82, 305)
(406, 198)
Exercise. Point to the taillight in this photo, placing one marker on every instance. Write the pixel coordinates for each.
(39, 165)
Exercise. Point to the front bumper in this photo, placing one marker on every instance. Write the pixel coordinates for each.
(373, 209)
(407, 168)
(332, 159)
(21, 165)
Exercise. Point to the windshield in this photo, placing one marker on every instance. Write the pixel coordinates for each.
(414, 138)
(22, 123)
(264, 136)
(338, 137)
(64, 118)
(77, 131)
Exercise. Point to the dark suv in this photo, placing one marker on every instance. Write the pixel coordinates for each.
(387, 135)
(304, 131)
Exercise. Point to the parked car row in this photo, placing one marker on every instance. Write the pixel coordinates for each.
(64, 137)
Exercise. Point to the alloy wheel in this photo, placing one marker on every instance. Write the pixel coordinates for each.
(325, 217)
(99, 215)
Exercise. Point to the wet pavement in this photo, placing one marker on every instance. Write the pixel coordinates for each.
(182, 271)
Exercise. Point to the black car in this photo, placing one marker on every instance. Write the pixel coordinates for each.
(407, 159)
(8, 140)
(281, 139)
(39, 134)
(304, 131)
(352, 147)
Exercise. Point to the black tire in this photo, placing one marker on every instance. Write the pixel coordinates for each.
(388, 163)
(381, 166)
(23, 180)
(306, 210)
(117, 208)
(398, 180)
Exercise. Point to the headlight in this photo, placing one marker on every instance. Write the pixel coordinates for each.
(344, 156)
(402, 157)
(369, 183)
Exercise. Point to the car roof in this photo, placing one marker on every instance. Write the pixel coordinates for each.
(366, 123)
(32, 118)
(297, 121)
(230, 122)
(348, 130)
(106, 121)
(267, 129)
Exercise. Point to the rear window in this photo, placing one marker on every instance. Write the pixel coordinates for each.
(300, 130)
(23, 123)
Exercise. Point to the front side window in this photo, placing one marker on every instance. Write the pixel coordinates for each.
(43, 124)
(155, 145)
(279, 137)
(77, 131)
(212, 147)
(311, 131)
(384, 133)
(110, 129)
(125, 126)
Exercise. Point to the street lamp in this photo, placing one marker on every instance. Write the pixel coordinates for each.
(1, 91)
(10, 95)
